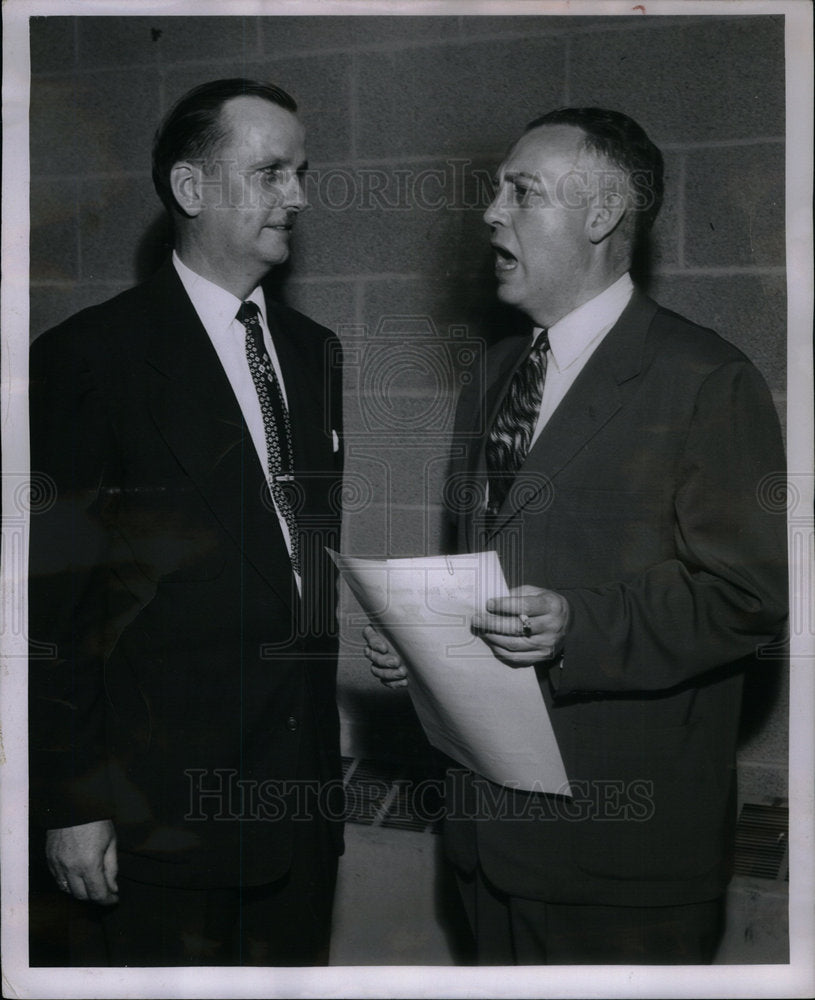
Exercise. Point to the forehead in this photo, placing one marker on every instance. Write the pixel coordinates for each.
(547, 150)
(254, 123)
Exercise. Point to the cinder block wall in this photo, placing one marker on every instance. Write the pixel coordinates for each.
(407, 117)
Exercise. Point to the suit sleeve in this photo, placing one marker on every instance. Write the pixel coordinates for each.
(70, 596)
(725, 592)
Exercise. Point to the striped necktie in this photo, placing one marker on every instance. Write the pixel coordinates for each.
(511, 433)
(276, 424)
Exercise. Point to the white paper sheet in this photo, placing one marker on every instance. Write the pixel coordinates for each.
(484, 714)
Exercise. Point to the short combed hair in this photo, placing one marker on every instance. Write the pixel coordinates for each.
(624, 144)
(194, 128)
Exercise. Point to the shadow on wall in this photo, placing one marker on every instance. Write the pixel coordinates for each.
(154, 247)
(763, 683)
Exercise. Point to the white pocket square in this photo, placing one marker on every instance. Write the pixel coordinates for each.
(335, 440)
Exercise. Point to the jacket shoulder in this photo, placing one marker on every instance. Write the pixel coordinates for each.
(105, 319)
(292, 319)
(684, 340)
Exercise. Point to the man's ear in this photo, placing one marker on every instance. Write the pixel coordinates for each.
(186, 185)
(604, 218)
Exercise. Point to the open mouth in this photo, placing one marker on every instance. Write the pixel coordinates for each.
(504, 260)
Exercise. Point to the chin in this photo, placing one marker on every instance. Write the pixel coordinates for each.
(509, 296)
(273, 259)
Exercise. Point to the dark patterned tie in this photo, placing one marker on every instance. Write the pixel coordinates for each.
(511, 434)
(276, 424)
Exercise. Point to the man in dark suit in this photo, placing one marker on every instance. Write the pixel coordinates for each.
(619, 451)
(184, 730)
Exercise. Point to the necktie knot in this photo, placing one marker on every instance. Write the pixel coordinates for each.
(248, 312)
(541, 344)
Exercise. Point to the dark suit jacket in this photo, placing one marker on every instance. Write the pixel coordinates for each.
(187, 679)
(641, 503)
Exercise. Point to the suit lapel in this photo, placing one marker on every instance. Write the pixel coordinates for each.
(197, 414)
(596, 395)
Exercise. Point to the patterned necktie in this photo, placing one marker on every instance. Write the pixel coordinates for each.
(511, 434)
(276, 424)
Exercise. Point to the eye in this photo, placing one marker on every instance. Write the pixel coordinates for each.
(273, 172)
(521, 192)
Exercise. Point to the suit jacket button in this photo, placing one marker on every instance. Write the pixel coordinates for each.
(291, 723)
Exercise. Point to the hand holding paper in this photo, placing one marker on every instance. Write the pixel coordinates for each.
(484, 714)
(385, 661)
(548, 616)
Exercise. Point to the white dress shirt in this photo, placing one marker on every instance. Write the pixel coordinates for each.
(573, 340)
(217, 309)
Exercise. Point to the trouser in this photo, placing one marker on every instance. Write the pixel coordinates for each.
(281, 923)
(511, 930)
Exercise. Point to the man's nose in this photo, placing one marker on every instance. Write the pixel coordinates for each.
(495, 214)
(294, 194)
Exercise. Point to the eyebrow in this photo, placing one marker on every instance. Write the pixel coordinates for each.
(279, 161)
(514, 175)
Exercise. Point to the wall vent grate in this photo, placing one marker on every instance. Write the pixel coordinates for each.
(761, 842)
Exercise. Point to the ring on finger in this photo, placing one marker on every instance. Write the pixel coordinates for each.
(526, 626)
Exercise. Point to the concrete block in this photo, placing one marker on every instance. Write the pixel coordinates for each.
(365, 532)
(61, 137)
(53, 44)
(452, 302)
(116, 42)
(307, 34)
(707, 80)
(95, 123)
(734, 212)
(118, 221)
(54, 247)
(760, 782)
(663, 244)
(368, 477)
(180, 76)
(200, 39)
(319, 84)
(339, 238)
(490, 93)
(50, 304)
(394, 530)
(331, 303)
(405, 385)
(748, 310)
(515, 25)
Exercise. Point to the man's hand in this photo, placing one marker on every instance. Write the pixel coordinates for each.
(83, 860)
(546, 615)
(386, 664)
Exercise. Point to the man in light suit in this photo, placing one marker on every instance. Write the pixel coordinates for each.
(620, 459)
(184, 731)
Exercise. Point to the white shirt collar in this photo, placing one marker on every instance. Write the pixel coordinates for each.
(216, 307)
(577, 330)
